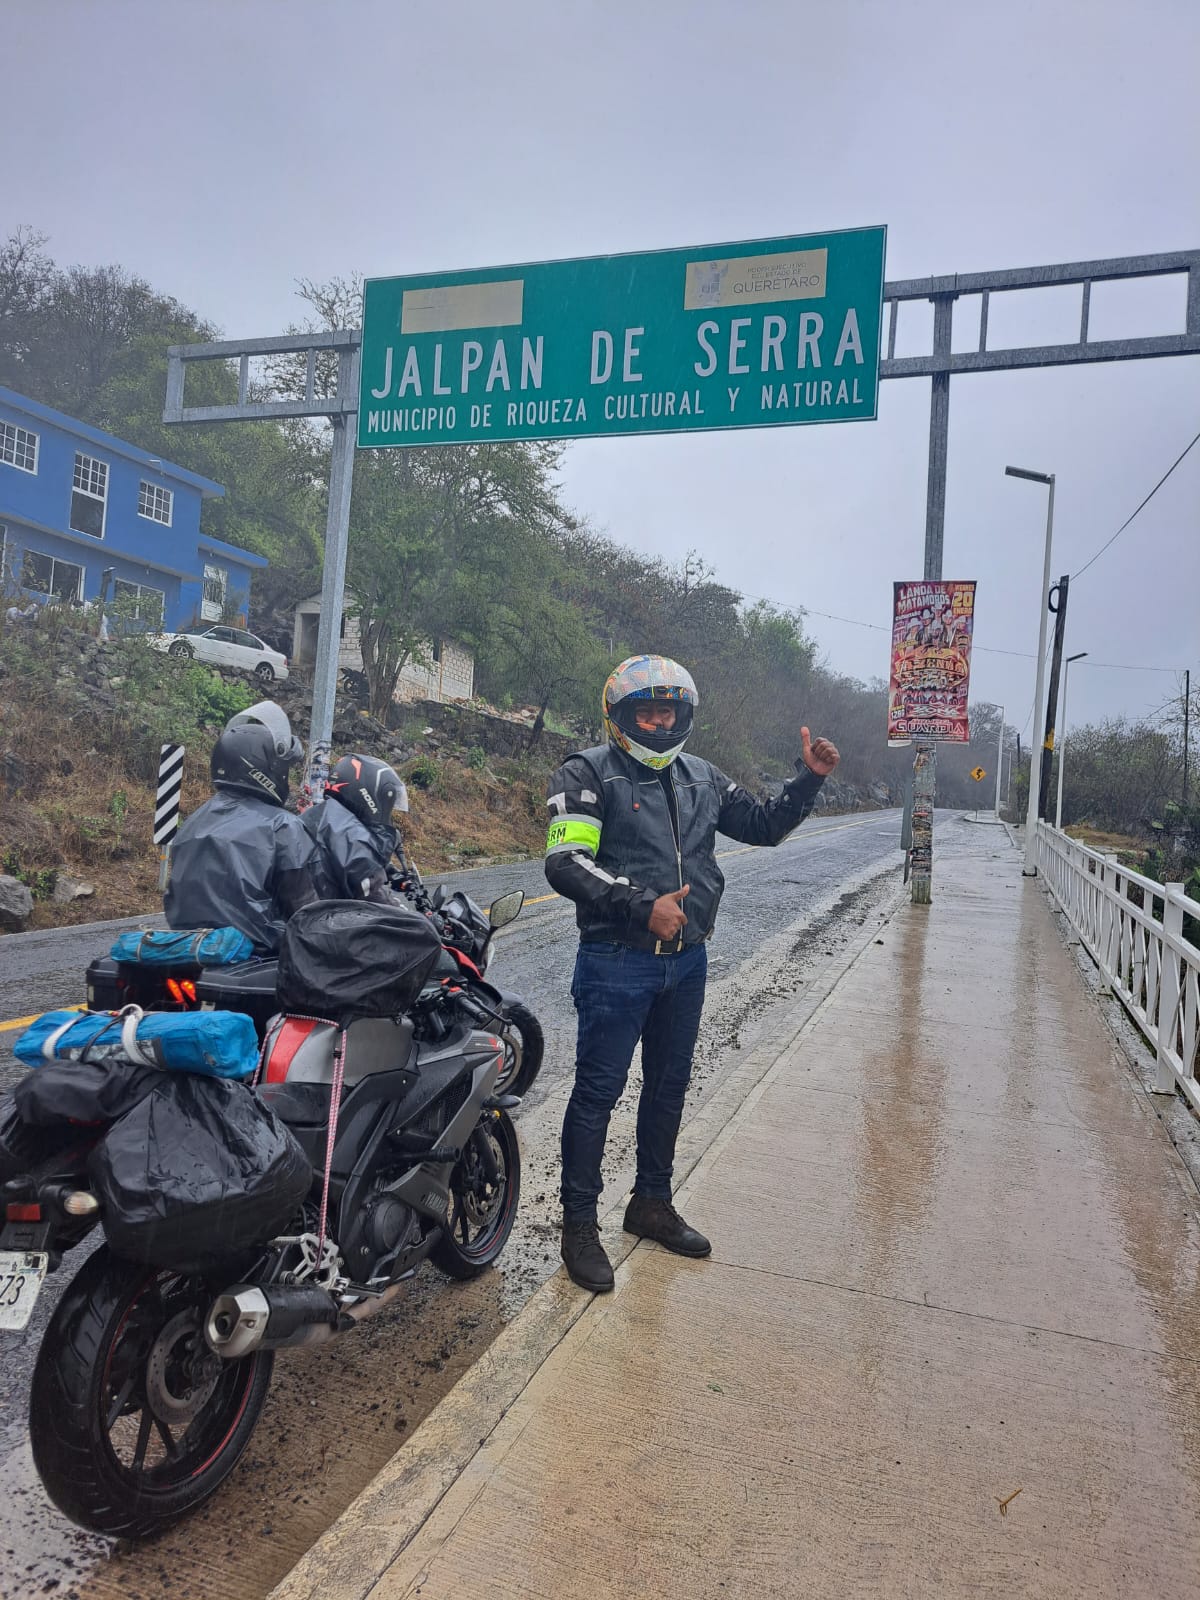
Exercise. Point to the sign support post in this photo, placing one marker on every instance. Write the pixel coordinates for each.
(333, 587)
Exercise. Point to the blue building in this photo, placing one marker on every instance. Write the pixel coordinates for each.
(80, 509)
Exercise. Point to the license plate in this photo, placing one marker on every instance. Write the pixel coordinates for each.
(22, 1273)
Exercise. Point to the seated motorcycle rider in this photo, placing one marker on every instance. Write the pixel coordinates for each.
(353, 832)
(240, 860)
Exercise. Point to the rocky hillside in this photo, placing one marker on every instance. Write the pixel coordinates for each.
(81, 725)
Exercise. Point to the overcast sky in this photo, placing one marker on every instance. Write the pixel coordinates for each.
(225, 148)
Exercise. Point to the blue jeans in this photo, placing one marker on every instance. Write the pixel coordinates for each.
(623, 995)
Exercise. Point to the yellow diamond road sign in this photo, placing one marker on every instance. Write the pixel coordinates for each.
(977, 773)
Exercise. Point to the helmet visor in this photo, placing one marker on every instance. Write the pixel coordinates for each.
(273, 717)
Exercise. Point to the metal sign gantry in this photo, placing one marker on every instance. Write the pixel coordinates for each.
(941, 362)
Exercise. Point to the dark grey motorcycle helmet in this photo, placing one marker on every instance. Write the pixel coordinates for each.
(256, 752)
(369, 788)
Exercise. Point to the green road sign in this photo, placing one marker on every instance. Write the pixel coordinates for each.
(764, 333)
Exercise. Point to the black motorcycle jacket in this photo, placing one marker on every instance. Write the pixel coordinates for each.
(621, 835)
(352, 859)
(240, 862)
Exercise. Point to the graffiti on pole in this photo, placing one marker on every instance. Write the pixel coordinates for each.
(932, 624)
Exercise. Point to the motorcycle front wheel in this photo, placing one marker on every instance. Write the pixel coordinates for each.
(133, 1421)
(482, 1210)
(524, 1046)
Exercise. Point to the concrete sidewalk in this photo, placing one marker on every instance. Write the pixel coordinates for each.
(948, 1342)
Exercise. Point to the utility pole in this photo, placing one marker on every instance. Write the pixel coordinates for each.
(1062, 737)
(1187, 709)
(1058, 604)
(1029, 870)
(925, 756)
(999, 761)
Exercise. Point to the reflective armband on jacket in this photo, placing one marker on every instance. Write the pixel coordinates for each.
(573, 833)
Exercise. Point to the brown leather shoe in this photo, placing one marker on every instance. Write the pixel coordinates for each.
(585, 1256)
(658, 1220)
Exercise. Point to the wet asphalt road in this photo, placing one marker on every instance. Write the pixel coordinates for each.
(337, 1413)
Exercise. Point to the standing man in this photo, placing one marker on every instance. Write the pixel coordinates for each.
(633, 825)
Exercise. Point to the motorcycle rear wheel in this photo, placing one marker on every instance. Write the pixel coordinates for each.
(481, 1214)
(524, 1046)
(133, 1421)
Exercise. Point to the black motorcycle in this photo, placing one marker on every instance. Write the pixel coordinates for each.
(149, 1382)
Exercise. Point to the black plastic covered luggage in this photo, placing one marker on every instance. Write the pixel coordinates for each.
(197, 1172)
(346, 959)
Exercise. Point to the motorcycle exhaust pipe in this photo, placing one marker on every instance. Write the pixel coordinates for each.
(270, 1316)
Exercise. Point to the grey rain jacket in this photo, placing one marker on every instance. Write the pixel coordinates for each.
(240, 862)
(619, 838)
(351, 861)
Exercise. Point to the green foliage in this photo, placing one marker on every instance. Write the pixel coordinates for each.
(424, 773)
(173, 696)
(209, 698)
(40, 881)
(477, 758)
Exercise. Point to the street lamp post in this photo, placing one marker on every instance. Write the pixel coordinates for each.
(1029, 870)
(1062, 736)
(999, 761)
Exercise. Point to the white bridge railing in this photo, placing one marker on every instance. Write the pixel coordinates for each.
(1132, 928)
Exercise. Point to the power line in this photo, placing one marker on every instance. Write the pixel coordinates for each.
(1129, 519)
(1173, 700)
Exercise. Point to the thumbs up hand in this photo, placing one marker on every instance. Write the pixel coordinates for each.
(820, 757)
(667, 920)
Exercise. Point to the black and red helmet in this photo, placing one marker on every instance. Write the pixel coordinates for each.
(369, 788)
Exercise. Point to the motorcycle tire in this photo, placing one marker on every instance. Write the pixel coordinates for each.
(481, 1213)
(524, 1047)
(133, 1421)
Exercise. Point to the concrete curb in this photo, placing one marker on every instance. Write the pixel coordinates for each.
(357, 1550)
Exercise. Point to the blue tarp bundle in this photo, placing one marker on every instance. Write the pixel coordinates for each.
(215, 1044)
(166, 947)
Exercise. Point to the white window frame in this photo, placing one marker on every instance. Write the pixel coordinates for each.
(89, 471)
(55, 561)
(139, 590)
(213, 610)
(17, 441)
(152, 499)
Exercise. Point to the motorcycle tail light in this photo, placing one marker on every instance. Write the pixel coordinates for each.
(189, 990)
(175, 991)
(23, 1211)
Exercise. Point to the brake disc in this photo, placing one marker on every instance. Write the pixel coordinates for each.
(479, 1206)
(181, 1374)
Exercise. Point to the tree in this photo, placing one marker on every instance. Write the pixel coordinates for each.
(547, 651)
(26, 277)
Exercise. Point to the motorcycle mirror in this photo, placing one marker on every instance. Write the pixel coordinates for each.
(440, 895)
(507, 909)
